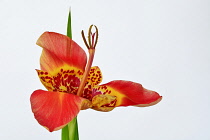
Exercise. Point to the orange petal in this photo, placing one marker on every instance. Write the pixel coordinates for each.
(63, 48)
(54, 110)
(130, 93)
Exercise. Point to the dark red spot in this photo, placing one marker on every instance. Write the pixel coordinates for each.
(66, 75)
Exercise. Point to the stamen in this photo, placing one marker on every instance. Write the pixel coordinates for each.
(96, 36)
(83, 37)
(91, 44)
(91, 49)
(89, 36)
(93, 35)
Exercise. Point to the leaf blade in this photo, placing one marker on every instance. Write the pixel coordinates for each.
(70, 131)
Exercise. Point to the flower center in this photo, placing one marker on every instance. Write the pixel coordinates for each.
(90, 92)
(66, 83)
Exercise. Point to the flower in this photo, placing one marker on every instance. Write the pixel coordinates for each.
(73, 86)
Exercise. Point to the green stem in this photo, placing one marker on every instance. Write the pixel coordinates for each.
(70, 131)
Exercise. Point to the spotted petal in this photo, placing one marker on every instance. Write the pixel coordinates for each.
(54, 110)
(95, 76)
(130, 93)
(58, 48)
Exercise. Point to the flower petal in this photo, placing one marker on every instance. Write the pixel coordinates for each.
(130, 93)
(54, 110)
(64, 48)
(46, 79)
(63, 80)
(49, 61)
(95, 76)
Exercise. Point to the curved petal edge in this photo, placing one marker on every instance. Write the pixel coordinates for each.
(63, 48)
(54, 110)
(130, 93)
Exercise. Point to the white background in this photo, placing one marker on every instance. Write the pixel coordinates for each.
(162, 44)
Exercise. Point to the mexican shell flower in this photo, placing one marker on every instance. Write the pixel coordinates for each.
(72, 85)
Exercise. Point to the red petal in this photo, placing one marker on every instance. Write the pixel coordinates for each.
(64, 48)
(130, 93)
(50, 62)
(54, 110)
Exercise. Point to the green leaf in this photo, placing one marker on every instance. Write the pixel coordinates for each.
(69, 29)
(70, 131)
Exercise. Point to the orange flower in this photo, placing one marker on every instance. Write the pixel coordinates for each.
(63, 71)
